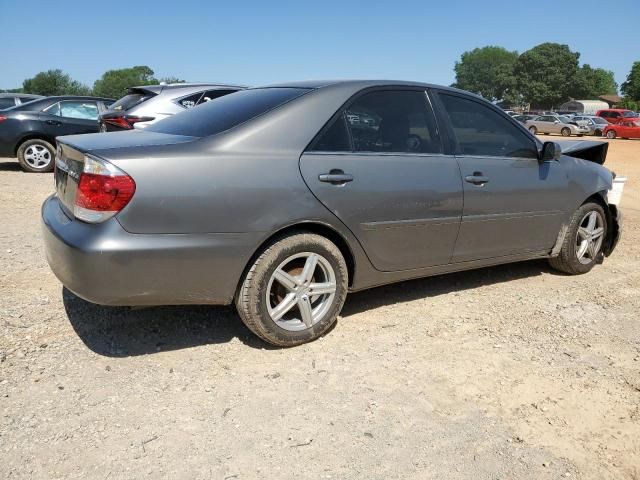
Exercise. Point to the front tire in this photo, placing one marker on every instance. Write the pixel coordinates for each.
(583, 242)
(294, 291)
(611, 134)
(36, 156)
(566, 132)
(533, 129)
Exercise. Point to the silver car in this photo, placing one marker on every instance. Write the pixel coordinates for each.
(596, 125)
(558, 124)
(143, 106)
(283, 199)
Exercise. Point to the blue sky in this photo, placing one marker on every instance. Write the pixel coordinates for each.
(260, 42)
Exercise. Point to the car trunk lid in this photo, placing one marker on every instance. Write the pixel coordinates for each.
(73, 149)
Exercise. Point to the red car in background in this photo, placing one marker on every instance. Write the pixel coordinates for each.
(626, 129)
(616, 115)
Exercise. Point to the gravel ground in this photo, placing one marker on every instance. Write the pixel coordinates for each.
(506, 372)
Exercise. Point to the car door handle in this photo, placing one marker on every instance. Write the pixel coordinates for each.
(477, 178)
(53, 122)
(335, 177)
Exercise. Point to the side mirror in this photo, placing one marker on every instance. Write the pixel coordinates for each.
(556, 121)
(550, 151)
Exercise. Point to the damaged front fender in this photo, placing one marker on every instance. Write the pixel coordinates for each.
(586, 150)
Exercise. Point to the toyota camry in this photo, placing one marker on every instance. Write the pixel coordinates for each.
(282, 199)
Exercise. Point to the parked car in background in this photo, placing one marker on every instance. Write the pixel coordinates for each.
(9, 100)
(523, 118)
(28, 131)
(559, 124)
(616, 115)
(264, 198)
(143, 106)
(629, 128)
(595, 124)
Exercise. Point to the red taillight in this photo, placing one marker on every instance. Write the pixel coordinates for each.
(118, 122)
(126, 121)
(2, 118)
(103, 191)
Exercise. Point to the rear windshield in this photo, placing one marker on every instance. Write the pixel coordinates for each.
(226, 112)
(135, 97)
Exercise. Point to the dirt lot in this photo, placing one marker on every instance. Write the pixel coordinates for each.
(509, 372)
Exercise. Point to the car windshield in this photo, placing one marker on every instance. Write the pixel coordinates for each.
(599, 120)
(629, 114)
(226, 112)
(564, 119)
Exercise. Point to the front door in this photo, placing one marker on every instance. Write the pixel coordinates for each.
(512, 203)
(379, 167)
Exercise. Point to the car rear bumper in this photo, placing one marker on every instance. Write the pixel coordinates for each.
(107, 265)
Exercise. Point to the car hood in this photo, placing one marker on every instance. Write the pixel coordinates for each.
(586, 150)
(126, 139)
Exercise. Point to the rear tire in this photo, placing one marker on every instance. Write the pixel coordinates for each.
(533, 129)
(36, 156)
(611, 134)
(566, 132)
(577, 257)
(598, 133)
(287, 277)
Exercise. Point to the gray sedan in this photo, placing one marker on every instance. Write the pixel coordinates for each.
(556, 124)
(596, 125)
(282, 199)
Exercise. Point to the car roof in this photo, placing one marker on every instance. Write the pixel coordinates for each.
(21, 95)
(79, 97)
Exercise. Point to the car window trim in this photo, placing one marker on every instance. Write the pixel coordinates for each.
(537, 145)
(352, 99)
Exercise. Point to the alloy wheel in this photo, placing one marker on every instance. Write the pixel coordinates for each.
(589, 237)
(37, 156)
(301, 291)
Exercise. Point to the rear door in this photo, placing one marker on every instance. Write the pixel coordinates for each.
(69, 117)
(379, 166)
(512, 204)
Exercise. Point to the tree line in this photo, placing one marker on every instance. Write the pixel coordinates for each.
(545, 76)
(112, 83)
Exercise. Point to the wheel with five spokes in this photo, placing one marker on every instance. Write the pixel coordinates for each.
(294, 290)
(582, 246)
(36, 156)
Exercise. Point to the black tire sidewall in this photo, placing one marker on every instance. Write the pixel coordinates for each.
(569, 254)
(533, 130)
(28, 168)
(565, 129)
(259, 282)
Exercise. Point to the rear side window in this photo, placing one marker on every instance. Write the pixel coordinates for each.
(190, 101)
(53, 109)
(227, 112)
(479, 130)
(384, 122)
(7, 102)
(135, 97)
(614, 115)
(213, 94)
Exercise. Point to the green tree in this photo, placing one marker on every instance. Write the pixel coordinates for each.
(593, 82)
(545, 74)
(54, 82)
(172, 80)
(488, 71)
(631, 87)
(114, 83)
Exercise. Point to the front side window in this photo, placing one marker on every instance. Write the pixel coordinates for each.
(79, 110)
(479, 130)
(614, 115)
